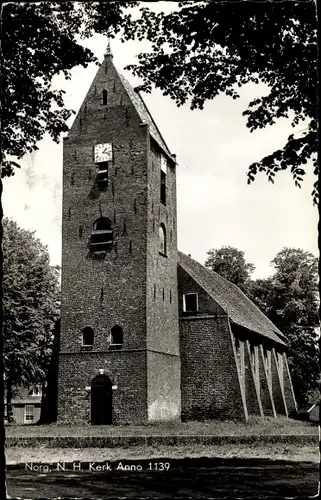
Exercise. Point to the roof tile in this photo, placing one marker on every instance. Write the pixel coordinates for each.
(144, 114)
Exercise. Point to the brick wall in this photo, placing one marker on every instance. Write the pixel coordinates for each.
(163, 386)
(163, 362)
(128, 400)
(162, 306)
(210, 385)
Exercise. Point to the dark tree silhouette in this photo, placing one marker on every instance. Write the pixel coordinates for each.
(203, 49)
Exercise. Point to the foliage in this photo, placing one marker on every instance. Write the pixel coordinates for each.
(230, 263)
(39, 41)
(290, 299)
(30, 306)
(196, 54)
(203, 49)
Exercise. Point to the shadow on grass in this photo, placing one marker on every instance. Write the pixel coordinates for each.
(193, 478)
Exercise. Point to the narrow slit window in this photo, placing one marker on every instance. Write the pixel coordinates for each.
(104, 97)
(190, 302)
(163, 180)
(163, 188)
(162, 240)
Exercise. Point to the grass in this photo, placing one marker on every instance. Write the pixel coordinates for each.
(306, 453)
(282, 447)
(255, 426)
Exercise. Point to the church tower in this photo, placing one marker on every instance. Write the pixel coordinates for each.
(119, 356)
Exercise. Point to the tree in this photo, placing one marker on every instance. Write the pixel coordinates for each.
(206, 48)
(39, 41)
(49, 402)
(30, 308)
(212, 47)
(290, 299)
(230, 263)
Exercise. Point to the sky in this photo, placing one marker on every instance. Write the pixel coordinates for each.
(215, 205)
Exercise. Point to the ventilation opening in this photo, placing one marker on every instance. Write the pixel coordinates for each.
(87, 337)
(101, 237)
(190, 302)
(116, 338)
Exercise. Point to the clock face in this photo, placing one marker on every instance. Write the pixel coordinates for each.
(103, 152)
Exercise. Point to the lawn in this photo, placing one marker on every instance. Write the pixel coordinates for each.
(292, 452)
(292, 441)
(255, 426)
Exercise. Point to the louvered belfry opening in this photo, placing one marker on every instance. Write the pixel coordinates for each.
(102, 174)
(101, 238)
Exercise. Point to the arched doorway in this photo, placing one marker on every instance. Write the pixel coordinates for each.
(101, 400)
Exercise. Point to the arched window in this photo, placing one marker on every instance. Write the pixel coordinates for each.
(162, 240)
(116, 338)
(88, 337)
(101, 237)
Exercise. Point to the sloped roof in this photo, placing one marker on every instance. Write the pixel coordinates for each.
(235, 303)
(144, 114)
